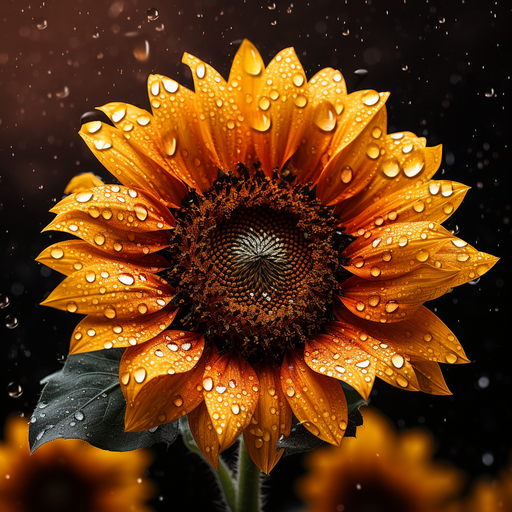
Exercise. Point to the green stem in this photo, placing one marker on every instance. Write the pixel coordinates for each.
(223, 476)
(248, 499)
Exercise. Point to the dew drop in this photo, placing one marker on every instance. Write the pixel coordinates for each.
(251, 63)
(300, 101)
(346, 174)
(201, 70)
(208, 384)
(370, 98)
(451, 358)
(264, 103)
(71, 307)
(402, 382)
(142, 309)
(422, 256)
(177, 401)
(397, 360)
(170, 86)
(56, 254)
(235, 409)
(414, 165)
(143, 120)
(125, 378)
(99, 239)
(290, 391)
(298, 79)
(375, 271)
(325, 116)
(372, 151)
(261, 122)
(79, 415)
(391, 306)
(83, 197)
(390, 168)
(118, 115)
(139, 375)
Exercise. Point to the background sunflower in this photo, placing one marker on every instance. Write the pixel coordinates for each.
(447, 73)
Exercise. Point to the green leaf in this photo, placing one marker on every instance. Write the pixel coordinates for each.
(84, 401)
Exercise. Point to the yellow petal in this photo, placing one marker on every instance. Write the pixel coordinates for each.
(391, 364)
(395, 250)
(131, 242)
(355, 152)
(204, 434)
(111, 148)
(96, 333)
(341, 360)
(231, 391)
(112, 292)
(318, 402)
(394, 300)
(72, 255)
(153, 395)
(82, 181)
(416, 202)
(221, 122)
(177, 116)
(271, 420)
(422, 336)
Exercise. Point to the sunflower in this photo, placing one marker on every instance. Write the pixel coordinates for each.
(378, 471)
(69, 475)
(287, 240)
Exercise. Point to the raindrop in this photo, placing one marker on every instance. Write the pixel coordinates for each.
(360, 74)
(95, 34)
(152, 14)
(139, 375)
(325, 116)
(11, 322)
(93, 115)
(345, 32)
(41, 24)
(4, 301)
(79, 415)
(63, 94)
(251, 63)
(160, 28)
(489, 92)
(14, 390)
(140, 48)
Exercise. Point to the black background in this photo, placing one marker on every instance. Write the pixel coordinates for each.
(448, 72)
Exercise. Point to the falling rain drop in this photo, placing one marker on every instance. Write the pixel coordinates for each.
(11, 322)
(489, 92)
(41, 24)
(4, 301)
(152, 14)
(14, 390)
(360, 75)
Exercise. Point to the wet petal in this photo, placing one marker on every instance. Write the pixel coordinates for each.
(394, 300)
(99, 233)
(318, 402)
(221, 120)
(419, 201)
(153, 395)
(121, 207)
(406, 162)
(271, 420)
(72, 255)
(430, 378)
(422, 336)
(204, 434)
(82, 181)
(177, 117)
(395, 250)
(391, 364)
(112, 149)
(341, 360)
(323, 102)
(355, 152)
(231, 391)
(96, 333)
(111, 292)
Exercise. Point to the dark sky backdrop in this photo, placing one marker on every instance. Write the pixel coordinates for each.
(446, 66)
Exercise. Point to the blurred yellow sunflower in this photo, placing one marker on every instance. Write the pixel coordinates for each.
(69, 475)
(379, 471)
(289, 239)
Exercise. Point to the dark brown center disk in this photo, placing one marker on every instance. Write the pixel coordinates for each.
(256, 264)
(262, 257)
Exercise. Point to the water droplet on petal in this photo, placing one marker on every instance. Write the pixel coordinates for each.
(56, 253)
(177, 401)
(79, 415)
(370, 98)
(71, 307)
(139, 375)
(397, 360)
(290, 391)
(201, 70)
(298, 79)
(390, 167)
(300, 101)
(325, 116)
(251, 63)
(208, 383)
(451, 358)
(235, 409)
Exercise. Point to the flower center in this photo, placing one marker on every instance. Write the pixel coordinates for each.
(256, 263)
(262, 257)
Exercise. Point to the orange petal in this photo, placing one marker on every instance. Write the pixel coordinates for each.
(391, 365)
(99, 233)
(430, 378)
(72, 255)
(111, 291)
(110, 146)
(277, 122)
(204, 433)
(394, 300)
(341, 360)
(221, 123)
(272, 418)
(405, 161)
(82, 181)
(323, 101)
(317, 401)
(416, 202)
(471, 263)
(395, 250)
(231, 391)
(96, 333)
(122, 208)
(177, 116)
(154, 395)
(356, 152)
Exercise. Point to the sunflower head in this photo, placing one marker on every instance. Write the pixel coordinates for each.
(268, 239)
